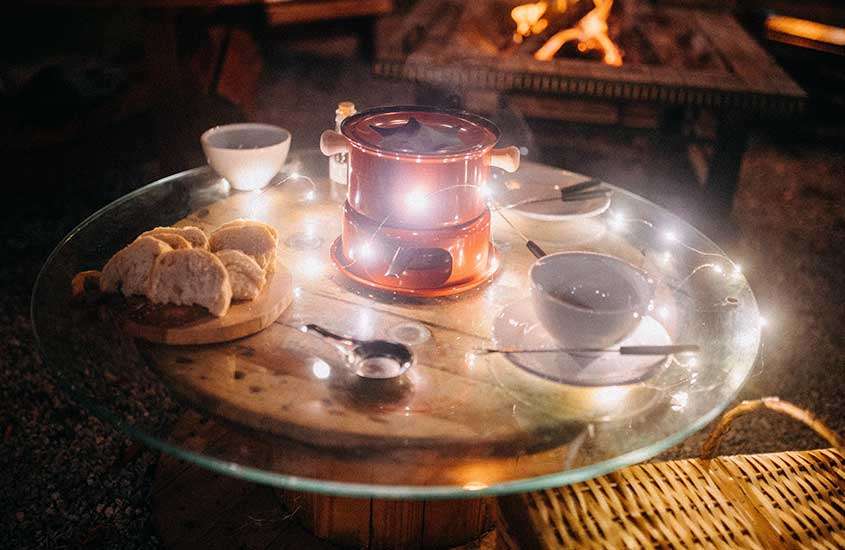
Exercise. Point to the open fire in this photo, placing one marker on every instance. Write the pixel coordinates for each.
(590, 32)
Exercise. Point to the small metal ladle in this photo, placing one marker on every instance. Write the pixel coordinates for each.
(377, 359)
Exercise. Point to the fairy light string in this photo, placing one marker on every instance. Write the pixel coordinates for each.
(688, 373)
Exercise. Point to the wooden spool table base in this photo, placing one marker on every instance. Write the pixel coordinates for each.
(194, 507)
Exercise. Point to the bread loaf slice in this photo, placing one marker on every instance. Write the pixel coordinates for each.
(129, 269)
(245, 275)
(193, 235)
(191, 276)
(254, 240)
(241, 222)
(175, 241)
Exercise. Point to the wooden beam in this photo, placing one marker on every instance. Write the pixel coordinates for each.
(283, 13)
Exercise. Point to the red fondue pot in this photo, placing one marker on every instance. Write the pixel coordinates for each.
(418, 167)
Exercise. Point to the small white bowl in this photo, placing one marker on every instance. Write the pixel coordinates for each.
(589, 300)
(248, 155)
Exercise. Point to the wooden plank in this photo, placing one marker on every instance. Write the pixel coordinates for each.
(287, 12)
(278, 392)
(242, 319)
(203, 510)
(447, 522)
(396, 523)
(344, 520)
(747, 59)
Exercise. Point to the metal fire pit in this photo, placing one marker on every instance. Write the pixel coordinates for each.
(446, 44)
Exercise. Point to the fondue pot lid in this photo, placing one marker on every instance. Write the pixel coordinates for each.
(418, 130)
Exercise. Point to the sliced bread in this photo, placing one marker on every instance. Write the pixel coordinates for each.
(193, 235)
(245, 275)
(175, 241)
(254, 240)
(191, 276)
(129, 269)
(241, 222)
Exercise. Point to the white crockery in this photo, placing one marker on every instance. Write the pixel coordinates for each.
(517, 327)
(585, 299)
(248, 155)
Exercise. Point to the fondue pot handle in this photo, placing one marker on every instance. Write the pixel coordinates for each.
(332, 143)
(506, 158)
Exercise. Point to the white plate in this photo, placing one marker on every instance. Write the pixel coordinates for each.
(517, 326)
(534, 181)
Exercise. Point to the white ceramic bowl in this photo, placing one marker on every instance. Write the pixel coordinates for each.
(248, 155)
(590, 300)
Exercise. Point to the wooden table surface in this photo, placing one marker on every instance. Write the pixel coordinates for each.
(486, 419)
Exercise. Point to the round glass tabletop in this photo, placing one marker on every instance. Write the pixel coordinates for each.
(459, 423)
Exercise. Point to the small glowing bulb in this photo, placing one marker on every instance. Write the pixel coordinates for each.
(321, 369)
(295, 175)
(718, 269)
(485, 190)
(667, 256)
(617, 222)
(670, 236)
(416, 200)
(366, 252)
(310, 195)
(610, 396)
(663, 312)
(311, 267)
(680, 400)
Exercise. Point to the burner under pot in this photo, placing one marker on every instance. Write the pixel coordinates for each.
(402, 258)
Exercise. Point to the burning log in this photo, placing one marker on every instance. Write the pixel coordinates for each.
(582, 22)
(557, 20)
(590, 33)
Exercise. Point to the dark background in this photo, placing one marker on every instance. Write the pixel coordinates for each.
(67, 480)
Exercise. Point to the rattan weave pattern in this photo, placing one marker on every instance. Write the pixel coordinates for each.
(775, 500)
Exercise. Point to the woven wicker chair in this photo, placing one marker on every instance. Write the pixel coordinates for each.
(765, 501)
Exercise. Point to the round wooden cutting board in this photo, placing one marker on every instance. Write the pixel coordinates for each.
(244, 317)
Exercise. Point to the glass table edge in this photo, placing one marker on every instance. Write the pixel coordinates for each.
(434, 492)
(358, 490)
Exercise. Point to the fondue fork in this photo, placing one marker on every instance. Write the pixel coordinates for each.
(584, 191)
(587, 185)
(585, 196)
(577, 197)
(623, 350)
(533, 247)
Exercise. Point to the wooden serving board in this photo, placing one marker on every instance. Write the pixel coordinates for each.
(244, 317)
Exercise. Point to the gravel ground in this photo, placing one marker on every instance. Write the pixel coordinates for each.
(67, 480)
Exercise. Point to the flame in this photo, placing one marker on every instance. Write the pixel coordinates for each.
(529, 20)
(590, 32)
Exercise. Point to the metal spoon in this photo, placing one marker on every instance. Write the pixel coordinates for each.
(378, 359)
